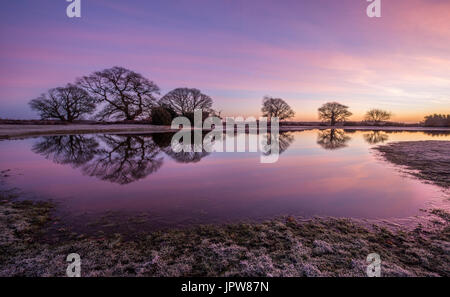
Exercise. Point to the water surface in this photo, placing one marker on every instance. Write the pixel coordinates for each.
(107, 181)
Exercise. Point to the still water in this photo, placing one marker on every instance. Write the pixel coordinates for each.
(137, 180)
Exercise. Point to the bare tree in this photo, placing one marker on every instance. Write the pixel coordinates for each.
(377, 115)
(65, 103)
(334, 112)
(185, 100)
(125, 94)
(276, 107)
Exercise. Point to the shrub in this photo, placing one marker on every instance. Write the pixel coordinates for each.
(170, 110)
(190, 116)
(160, 116)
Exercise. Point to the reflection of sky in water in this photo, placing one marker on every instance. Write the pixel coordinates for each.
(318, 173)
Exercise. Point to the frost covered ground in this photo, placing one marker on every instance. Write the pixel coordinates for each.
(427, 160)
(280, 247)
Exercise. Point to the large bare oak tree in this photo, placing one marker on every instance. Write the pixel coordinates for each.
(125, 94)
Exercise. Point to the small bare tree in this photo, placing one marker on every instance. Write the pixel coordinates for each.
(67, 103)
(186, 100)
(125, 94)
(377, 115)
(334, 112)
(276, 107)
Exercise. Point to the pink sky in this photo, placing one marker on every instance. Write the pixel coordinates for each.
(307, 52)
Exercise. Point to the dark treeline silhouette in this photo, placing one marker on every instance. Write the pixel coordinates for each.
(437, 120)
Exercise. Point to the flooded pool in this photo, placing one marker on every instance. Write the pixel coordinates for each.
(137, 181)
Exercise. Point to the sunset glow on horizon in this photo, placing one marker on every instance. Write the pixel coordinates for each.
(307, 52)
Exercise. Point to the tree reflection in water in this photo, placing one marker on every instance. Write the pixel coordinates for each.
(375, 137)
(67, 149)
(181, 154)
(285, 139)
(121, 159)
(437, 133)
(186, 157)
(124, 159)
(332, 139)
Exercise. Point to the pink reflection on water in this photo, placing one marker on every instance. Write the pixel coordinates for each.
(225, 187)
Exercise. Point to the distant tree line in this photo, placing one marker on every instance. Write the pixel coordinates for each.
(437, 120)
